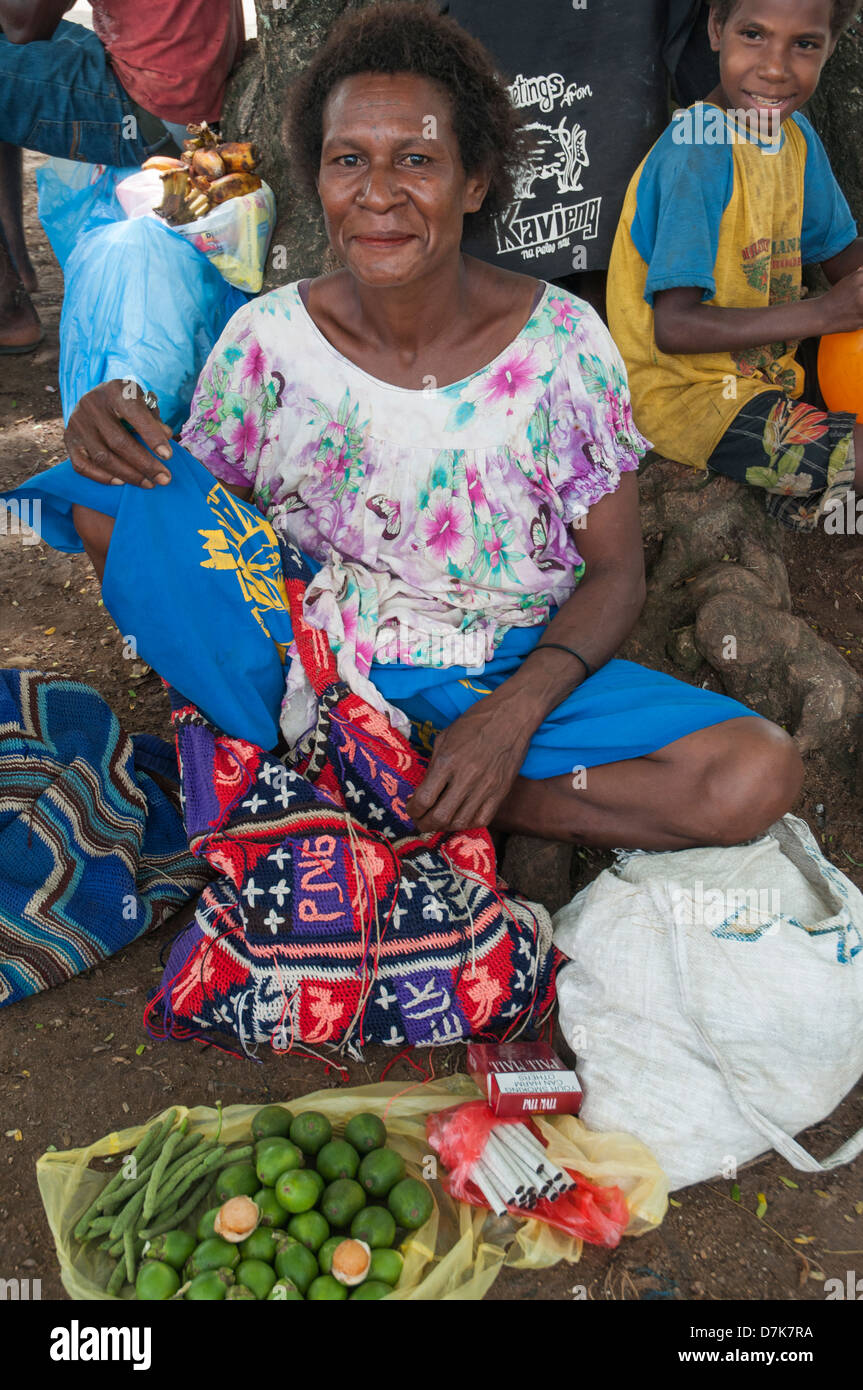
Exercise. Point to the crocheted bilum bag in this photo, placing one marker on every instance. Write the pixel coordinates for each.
(333, 920)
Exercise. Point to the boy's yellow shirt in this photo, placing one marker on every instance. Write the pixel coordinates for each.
(738, 219)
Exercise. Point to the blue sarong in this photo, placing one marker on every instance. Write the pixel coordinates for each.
(194, 575)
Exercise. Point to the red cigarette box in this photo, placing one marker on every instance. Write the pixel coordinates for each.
(519, 1077)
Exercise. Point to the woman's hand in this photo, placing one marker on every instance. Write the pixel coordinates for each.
(474, 764)
(102, 449)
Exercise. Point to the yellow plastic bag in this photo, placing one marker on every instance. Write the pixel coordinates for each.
(235, 236)
(456, 1255)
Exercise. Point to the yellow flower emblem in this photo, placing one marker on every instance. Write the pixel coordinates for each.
(246, 543)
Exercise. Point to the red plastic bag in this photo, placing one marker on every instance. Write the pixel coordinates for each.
(598, 1215)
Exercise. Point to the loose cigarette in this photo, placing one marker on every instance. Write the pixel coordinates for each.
(499, 1164)
(503, 1189)
(522, 1174)
(521, 1141)
(518, 1141)
(531, 1178)
(525, 1144)
(523, 1164)
(488, 1190)
(523, 1137)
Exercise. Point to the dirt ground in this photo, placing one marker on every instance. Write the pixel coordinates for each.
(71, 1067)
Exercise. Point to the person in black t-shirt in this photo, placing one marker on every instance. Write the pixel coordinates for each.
(592, 82)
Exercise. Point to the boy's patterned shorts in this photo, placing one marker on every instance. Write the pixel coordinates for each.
(802, 457)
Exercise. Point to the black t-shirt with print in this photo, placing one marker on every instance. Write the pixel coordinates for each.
(589, 79)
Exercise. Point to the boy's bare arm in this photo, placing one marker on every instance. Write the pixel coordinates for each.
(684, 324)
(845, 263)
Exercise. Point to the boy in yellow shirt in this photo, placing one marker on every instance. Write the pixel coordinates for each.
(704, 295)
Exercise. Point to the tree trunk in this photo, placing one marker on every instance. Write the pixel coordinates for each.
(836, 111)
(289, 34)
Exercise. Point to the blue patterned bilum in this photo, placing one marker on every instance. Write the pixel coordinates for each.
(92, 850)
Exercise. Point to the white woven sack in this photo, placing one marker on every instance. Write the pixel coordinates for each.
(715, 1000)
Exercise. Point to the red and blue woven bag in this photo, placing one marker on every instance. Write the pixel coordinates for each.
(331, 919)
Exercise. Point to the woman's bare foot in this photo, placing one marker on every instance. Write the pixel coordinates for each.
(20, 329)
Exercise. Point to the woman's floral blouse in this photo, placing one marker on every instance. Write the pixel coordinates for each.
(440, 517)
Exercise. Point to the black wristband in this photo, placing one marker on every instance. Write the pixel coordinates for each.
(571, 650)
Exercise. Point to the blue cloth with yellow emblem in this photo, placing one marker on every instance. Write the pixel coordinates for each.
(195, 578)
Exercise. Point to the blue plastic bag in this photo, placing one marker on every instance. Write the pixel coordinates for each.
(73, 199)
(140, 305)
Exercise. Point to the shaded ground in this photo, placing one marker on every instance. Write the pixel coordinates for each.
(70, 1067)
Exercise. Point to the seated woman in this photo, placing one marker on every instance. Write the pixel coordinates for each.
(452, 446)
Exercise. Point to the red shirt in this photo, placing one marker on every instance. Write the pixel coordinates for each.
(172, 56)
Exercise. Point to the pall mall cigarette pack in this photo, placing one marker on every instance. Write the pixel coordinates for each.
(519, 1077)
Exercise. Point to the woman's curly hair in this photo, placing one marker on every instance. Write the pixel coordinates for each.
(414, 37)
(844, 11)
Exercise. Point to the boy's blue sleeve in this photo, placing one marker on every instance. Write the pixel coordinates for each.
(828, 226)
(682, 195)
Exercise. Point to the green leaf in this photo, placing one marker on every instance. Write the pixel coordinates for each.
(761, 477)
(788, 1182)
(790, 461)
(735, 1192)
(762, 1206)
(140, 1049)
(839, 458)
(672, 1203)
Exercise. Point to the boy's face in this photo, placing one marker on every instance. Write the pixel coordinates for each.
(771, 53)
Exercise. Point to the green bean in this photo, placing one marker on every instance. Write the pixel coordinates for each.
(132, 1248)
(130, 1213)
(190, 1142)
(214, 1160)
(187, 1159)
(92, 1211)
(165, 1222)
(153, 1137)
(178, 1174)
(113, 1184)
(161, 1164)
(86, 1218)
(238, 1155)
(175, 1217)
(132, 1185)
(115, 1283)
(99, 1226)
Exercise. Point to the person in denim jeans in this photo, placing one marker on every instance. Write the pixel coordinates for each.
(61, 94)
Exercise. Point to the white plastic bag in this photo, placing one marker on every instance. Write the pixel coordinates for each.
(235, 236)
(715, 1000)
